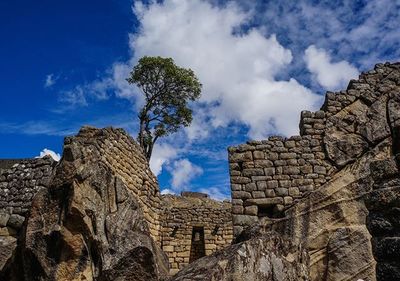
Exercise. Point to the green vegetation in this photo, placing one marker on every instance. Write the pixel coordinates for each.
(167, 89)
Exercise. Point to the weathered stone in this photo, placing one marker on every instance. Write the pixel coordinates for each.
(344, 148)
(264, 201)
(259, 259)
(15, 221)
(4, 219)
(244, 220)
(251, 210)
(79, 230)
(348, 183)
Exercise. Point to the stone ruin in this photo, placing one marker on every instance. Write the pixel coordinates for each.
(193, 226)
(320, 206)
(101, 169)
(334, 188)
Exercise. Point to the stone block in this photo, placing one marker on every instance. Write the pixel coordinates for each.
(15, 221)
(244, 220)
(168, 249)
(272, 184)
(287, 200)
(236, 187)
(4, 218)
(241, 195)
(258, 154)
(289, 155)
(281, 191)
(251, 210)
(264, 201)
(250, 187)
(253, 172)
(285, 183)
(237, 210)
(261, 185)
(320, 170)
(269, 193)
(269, 171)
(290, 144)
(290, 170)
(258, 194)
(263, 163)
(272, 156)
(240, 180)
(294, 191)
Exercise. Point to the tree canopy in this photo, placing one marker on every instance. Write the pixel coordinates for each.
(167, 89)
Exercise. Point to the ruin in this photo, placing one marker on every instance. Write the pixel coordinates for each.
(193, 226)
(320, 206)
(333, 186)
(186, 227)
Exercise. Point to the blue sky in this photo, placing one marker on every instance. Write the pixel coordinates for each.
(63, 64)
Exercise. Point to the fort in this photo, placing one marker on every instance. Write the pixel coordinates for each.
(319, 206)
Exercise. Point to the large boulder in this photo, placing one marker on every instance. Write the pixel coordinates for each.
(261, 258)
(87, 226)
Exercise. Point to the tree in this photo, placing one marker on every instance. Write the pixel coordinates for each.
(167, 89)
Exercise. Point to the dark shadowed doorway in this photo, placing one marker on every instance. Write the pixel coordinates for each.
(197, 249)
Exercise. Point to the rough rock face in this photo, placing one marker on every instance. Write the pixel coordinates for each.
(347, 218)
(88, 225)
(267, 258)
(20, 179)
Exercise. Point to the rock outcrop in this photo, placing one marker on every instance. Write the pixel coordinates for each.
(267, 258)
(88, 225)
(346, 153)
(20, 180)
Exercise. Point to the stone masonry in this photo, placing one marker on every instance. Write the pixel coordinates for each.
(192, 219)
(186, 227)
(334, 189)
(121, 152)
(19, 180)
(271, 175)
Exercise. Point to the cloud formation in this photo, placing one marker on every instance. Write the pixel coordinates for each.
(48, 152)
(162, 154)
(330, 75)
(50, 80)
(183, 171)
(238, 69)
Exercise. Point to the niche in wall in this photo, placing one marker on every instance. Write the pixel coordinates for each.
(197, 248)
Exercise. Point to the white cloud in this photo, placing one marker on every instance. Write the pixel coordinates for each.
(183, 171)
(330, 75)
(74, 97)
(162, 154)
(238, 70)
(50, 80)
(167, 191)
(54, 155)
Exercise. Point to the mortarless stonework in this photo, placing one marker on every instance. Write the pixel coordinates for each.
(101, 165)
(182, 215)
(334, 186)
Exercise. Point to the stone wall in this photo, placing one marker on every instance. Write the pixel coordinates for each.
(348, 192)
(20, 179)
(121, 152)
(269, 176)
(182, 216)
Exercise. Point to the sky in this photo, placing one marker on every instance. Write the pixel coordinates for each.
(63, 64)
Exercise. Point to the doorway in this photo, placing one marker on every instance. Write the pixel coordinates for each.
(197, 249)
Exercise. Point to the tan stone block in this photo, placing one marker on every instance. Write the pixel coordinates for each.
(168, 248)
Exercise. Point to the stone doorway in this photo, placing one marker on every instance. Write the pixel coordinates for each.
(197, 249)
